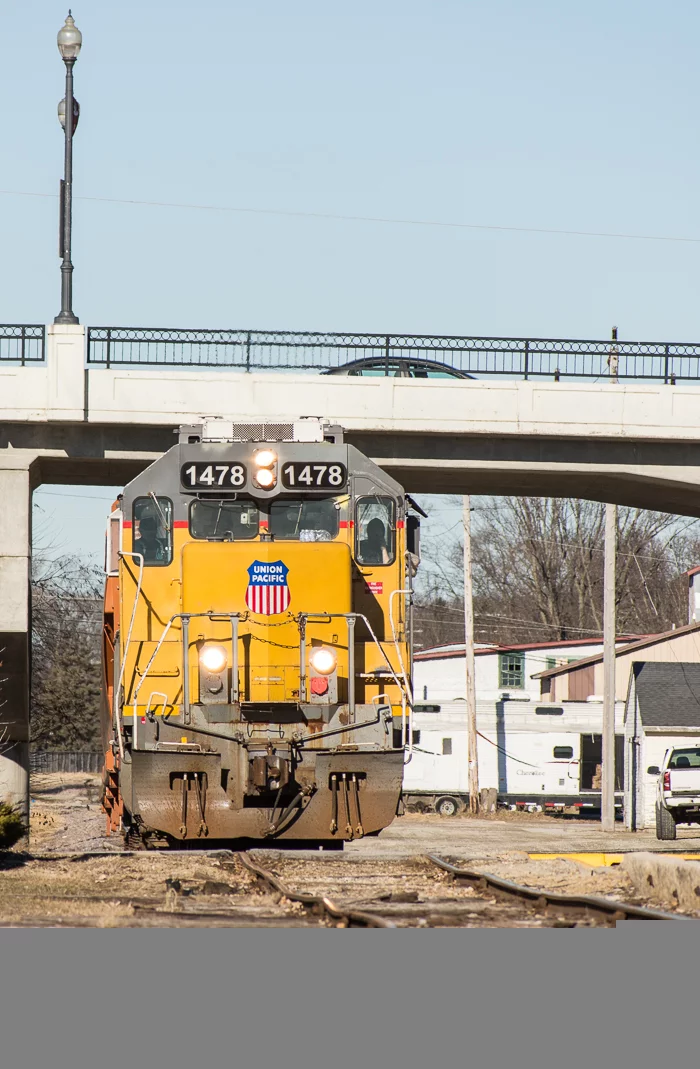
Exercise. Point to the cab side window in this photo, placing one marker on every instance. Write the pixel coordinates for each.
(375, 530)
(153, 530)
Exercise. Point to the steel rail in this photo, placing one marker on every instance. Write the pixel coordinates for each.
(315, 903)
(590, 904)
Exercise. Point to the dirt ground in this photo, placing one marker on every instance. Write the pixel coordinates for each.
(486, 838)
(65, 814)
(159, 888)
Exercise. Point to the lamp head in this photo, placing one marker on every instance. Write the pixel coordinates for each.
(69, 39)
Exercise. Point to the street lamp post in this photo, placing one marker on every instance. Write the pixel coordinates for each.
(69, 41)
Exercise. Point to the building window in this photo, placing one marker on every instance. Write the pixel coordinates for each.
(511, 670)
(446, 747)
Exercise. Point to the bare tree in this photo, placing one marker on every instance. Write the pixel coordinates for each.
(66, 632)
(538, 572)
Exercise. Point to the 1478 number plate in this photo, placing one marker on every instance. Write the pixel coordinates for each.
(203, 476)
(302, 476)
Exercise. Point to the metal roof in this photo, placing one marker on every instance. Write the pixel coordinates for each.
(668, 693)
(456, 649)
(628, 646)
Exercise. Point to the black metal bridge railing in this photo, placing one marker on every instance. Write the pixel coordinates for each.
(528, 358)
(22, 344)
(259, 350)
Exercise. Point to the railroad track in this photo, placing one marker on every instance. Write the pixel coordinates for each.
(547, 901)
(566, 910)
(321, 905)
(284, 890)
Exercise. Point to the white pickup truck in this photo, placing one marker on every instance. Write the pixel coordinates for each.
(677, 790)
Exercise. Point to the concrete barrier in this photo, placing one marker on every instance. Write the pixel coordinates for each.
(667, 880)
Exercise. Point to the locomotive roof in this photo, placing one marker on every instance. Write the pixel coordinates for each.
(163, 475)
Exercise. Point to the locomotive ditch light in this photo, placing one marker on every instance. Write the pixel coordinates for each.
(323, 661)
(213, 658)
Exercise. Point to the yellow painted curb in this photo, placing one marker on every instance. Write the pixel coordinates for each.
(599, 860)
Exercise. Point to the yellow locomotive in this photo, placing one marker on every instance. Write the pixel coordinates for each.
(257, 643)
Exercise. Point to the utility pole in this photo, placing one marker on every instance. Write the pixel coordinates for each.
(607, 807)
(472, 752)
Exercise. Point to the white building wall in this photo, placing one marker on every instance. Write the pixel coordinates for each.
(444, 678)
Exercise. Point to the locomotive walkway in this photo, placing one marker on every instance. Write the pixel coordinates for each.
(459, 415)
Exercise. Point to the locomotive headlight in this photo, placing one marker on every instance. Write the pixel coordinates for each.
(265, 475)
(323, 661)
(213, 658)
(265, 478)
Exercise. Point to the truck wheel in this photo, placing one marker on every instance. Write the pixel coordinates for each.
(665, 823)
(447, 807)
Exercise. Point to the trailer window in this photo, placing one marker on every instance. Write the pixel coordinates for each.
(225, 519)
(563, 752)
(446, 747)
(305, 519)
(689, 758)
(375, 530)
(153, 530)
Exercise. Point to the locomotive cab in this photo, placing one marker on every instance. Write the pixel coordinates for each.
(257, 640)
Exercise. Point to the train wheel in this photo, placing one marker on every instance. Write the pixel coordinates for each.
(447, 806)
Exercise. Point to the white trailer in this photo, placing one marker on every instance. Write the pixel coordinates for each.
(535, 755)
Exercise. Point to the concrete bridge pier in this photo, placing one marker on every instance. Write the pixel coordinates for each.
(15, 628)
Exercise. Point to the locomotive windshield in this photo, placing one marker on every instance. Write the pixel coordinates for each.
(226, 519)
(305, 519)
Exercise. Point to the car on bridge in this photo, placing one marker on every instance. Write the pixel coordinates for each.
(399, 367)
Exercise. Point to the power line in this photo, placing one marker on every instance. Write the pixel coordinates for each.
(596, 549)
(510, 620)
(584, 548)
(82, 497)
(444, 224)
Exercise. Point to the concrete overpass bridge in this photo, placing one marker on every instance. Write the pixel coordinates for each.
(533, 417)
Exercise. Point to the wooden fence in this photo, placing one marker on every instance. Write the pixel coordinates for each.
(65, 761)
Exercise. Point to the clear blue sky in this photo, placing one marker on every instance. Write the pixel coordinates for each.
(528, 115)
